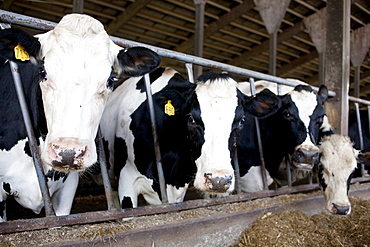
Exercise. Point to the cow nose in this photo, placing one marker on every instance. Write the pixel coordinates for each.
(339, 209)
(67, 157)
(305, 157)
(217, 184)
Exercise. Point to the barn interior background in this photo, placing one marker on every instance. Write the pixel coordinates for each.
(234, 32)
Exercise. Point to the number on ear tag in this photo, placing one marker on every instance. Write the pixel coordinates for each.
(169, 109)
(20, 53)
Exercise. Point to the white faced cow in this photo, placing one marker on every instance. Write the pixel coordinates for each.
(78, 58)
(294, 130)
(197, 139)
(73, 73)
(337, 164)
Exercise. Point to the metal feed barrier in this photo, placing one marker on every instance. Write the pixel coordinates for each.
(112, 213)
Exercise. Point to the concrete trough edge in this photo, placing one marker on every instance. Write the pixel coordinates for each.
(219, 230)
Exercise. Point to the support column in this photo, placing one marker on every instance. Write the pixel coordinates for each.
(316, 27)
(272, 13)
(360, 43)
(78, 6)
(199, 33)
(337, 62)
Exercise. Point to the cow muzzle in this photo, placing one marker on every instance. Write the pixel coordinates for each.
(67, 154)
(217, 184)
(340, 209)
(305, 157)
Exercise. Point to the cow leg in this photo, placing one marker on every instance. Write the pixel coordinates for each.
(252, 181)
(176, 194)
(3, 197)
(63, 193)
(131, 184)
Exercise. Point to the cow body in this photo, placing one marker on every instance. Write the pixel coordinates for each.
(196, 140)
(66, 84)
(335, 169)
(293, 131)
(353, 133)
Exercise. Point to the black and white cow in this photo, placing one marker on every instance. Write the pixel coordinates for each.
(334, 172)
(353, 133)
(196, 140)
(294, 130)
(66, 82)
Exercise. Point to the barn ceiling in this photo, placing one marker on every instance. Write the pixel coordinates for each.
(234, 32)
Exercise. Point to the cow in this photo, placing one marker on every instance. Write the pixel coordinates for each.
(197, 124)
(334, 172)
(67, 82)
(293, 131)
(353, 133)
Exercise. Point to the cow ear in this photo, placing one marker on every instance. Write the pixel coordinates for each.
(11, 37)
(137, 61)
(264, 104)
(323, 94)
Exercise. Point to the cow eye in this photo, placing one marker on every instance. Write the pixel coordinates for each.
(191, 120)
(42, 73)
(110, 82)
(286, 114)
(320, 120)
(241, 122)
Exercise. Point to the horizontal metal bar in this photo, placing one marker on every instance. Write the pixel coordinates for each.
(100, 216)
(47, 25)
(357, 100)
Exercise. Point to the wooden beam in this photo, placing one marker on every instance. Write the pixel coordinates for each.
(125, 16)
(6, 4)
(337, 62)
(297, 62)
(219, 24)
(256, 50)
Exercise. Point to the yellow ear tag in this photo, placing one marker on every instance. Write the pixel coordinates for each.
(20, 53)
(169, 109)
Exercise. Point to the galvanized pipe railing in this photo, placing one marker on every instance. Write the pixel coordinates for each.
(40, 24)
(157, 150)
(104, 172)
(49, 211)
(32, 22)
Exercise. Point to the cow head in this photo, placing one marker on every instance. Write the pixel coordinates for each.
(337, 164)
(216, 116)
(312, 124)
(78, 59)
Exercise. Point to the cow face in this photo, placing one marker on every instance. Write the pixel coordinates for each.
(311, 113)
(78, 58)
(337, 164)
(217, 114)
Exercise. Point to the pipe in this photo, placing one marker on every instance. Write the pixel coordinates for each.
(104, 172)
(49, 211)
(260, 148)
(46, 25)
(157, 151)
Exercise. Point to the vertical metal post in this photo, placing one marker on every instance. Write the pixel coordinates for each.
(78, 6)
(357, 82)
(199, 32)
(104, 172)
(157, 151)
(189, 70)
(321, 67)
(238, 188)
(273, 52)
(260, 148)
(288, 171)
(368, 117)
(360, 134)
(49, 211)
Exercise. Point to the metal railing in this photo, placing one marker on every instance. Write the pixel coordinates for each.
(112, 213)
